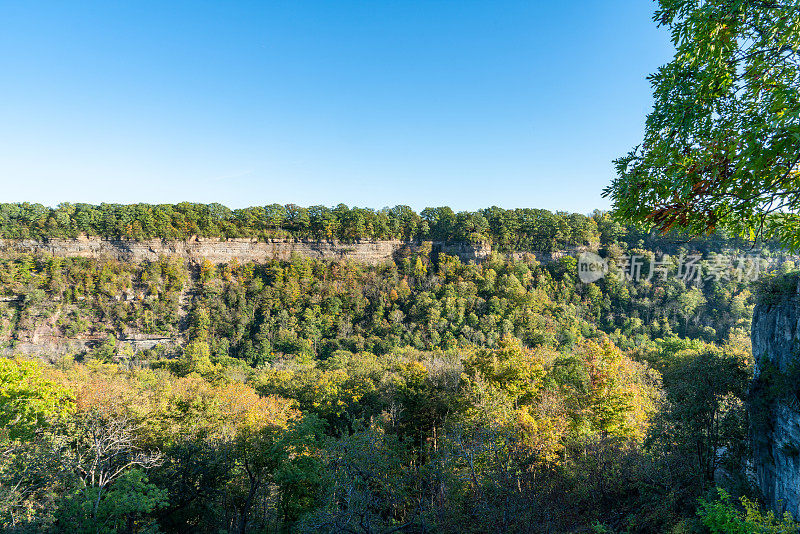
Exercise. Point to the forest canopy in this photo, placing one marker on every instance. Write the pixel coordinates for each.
(422, 394)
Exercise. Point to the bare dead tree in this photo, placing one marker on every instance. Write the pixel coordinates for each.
(106, 448)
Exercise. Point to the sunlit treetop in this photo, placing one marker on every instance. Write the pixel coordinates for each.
(722, 144)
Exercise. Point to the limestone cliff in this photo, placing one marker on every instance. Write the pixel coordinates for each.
(774, 409)
(226, 250)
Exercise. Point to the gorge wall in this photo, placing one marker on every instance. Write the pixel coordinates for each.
(774, 409)
(46, 339)
(223, 251)
(45, 335)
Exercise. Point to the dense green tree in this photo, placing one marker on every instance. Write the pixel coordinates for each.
(28, 400)
(722, 142)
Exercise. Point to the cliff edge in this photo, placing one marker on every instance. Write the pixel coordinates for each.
(775, 393)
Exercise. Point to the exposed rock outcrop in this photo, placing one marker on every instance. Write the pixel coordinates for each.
(775, 411)
(223, 251)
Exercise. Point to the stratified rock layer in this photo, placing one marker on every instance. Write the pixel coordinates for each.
(243, 250)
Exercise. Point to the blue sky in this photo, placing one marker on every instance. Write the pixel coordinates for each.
(371, 103)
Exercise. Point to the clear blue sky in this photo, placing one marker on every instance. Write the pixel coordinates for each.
(371, 103)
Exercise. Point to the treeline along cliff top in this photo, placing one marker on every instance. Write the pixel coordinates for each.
(507, 230)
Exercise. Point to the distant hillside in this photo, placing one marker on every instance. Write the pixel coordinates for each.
(506, 230)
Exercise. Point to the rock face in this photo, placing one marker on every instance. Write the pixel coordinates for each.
(775, 430)
(243, 250)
